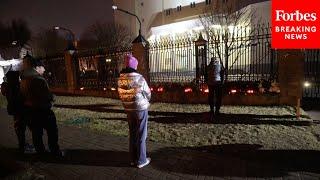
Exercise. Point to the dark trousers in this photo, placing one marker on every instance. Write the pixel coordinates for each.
(138, 122)
(45, 119)
(215, 96)
(20, 125)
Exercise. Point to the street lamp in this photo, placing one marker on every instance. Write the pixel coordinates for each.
(71, 45)
(140, 38)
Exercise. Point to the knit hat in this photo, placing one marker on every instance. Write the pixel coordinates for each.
(131, 62)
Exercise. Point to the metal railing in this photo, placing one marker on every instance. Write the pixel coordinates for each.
(249, 56)
(172, 59)
(99, 69)
(312, 73)
(55, 71)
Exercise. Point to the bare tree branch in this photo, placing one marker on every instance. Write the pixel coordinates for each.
(223, 21)
(106, 35)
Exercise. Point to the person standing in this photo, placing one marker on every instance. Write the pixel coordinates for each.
(135, 95)
(38, 102)
(15, 108)
(214, 81)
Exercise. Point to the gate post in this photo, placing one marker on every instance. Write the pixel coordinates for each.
(140, 51)
(201, 58)
(70, 71)
(291, 75)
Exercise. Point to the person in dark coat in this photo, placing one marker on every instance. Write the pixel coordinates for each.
(214, 81)
(38, 101)
(15, 108)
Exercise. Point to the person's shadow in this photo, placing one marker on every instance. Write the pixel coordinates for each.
(241, 160)
(203, 117)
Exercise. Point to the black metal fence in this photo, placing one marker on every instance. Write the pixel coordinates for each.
(99, 69)
(55, 71)
(250, 57)
(312, 74)
(247, 56)
(172, 59)
(94, 69)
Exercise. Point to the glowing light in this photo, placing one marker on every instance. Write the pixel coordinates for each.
(160, 89)
(82, 88)
(307, 84)
(113, 89)
(206, 90)
(233, 91)
(104, 89)
(151, 89)
(56, 27)
(250, 91)
(114, 7)
(187, 90)
(108, 60)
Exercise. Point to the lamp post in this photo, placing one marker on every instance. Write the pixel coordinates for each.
(140, 38)
(71, 45)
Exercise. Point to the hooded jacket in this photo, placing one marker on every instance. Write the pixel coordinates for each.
(214, 73)
(35, 90)
(134, 91)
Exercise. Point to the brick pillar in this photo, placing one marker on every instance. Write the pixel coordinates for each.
(70, 72)
(291, 75)
(140, 51)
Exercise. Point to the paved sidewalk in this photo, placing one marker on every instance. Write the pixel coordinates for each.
(91, 155)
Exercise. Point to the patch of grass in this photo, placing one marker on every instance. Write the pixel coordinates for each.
(112, 120)
(28, 174)
(3, 101)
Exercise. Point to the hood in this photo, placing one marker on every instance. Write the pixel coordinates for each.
(29, 73)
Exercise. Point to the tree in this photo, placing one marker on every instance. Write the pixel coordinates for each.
(48, 42)
(224, 22)
(20, 31)
(17, 30)
(106, 35)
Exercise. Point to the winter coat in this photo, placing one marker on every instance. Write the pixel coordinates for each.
(134, 91)
(35, 90)
(213, 73)
(13, 95)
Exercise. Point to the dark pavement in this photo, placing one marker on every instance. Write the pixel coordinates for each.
(91, 155)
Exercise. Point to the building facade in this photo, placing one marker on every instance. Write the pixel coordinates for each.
(161, 17)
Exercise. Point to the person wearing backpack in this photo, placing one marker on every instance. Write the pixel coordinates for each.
(15, 108)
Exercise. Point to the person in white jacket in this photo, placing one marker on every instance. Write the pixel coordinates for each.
(135, 95)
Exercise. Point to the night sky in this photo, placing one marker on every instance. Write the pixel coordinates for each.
(73, 14)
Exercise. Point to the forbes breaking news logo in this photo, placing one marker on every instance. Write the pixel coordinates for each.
(295, 32)
(295, 24)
